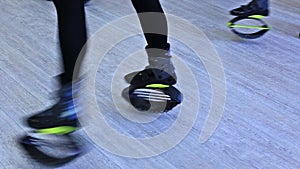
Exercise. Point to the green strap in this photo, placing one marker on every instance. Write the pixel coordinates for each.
(161, 86)
(229, 24)
(57, 130)
(256, 16)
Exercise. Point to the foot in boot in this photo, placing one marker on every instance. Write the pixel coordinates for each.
(61, 114)
(150, 76)
(253, 8)
(159, 70)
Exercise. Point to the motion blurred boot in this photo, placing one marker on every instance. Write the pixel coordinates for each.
(160, 69)
(63, 113)
(255, 7)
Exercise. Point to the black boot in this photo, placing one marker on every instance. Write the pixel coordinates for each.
(63, 113)
(160, 69)
(255, 7)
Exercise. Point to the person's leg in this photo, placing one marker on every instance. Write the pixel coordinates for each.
(255, 7)
(148, 24)
(72, 36)
(155, 27)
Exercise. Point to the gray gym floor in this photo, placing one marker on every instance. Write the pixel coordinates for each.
(260, 124)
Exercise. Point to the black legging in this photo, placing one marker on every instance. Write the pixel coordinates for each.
(150, 24)
(73, 35)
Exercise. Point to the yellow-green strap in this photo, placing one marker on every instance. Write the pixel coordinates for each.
(256, 16)
(57, 130)
(161, 86)
(248, 26)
